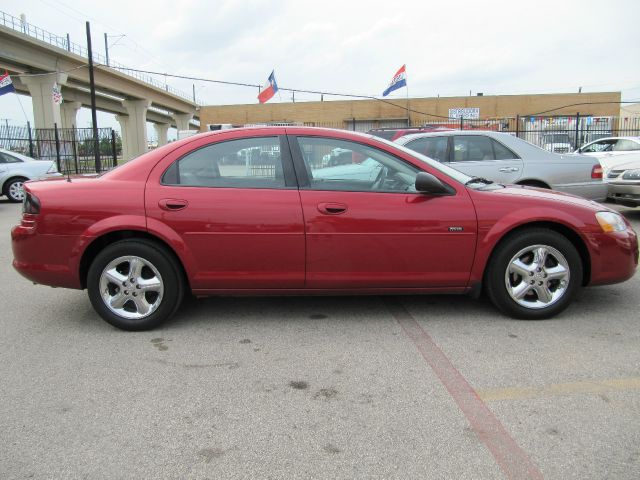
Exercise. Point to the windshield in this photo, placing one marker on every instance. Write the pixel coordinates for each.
(451, 172)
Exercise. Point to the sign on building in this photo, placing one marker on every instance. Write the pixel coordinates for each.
(472, 113)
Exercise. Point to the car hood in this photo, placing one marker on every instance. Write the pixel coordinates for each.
(513, 193)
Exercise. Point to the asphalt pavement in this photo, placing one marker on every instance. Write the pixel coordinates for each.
(318, 387)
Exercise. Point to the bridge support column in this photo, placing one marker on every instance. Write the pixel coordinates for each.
(161, 131)
(134, 128)
(182, 120)
(46, 112)
(68, 113)
(123, 120)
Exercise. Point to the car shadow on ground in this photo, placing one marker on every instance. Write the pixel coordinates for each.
(76, 312)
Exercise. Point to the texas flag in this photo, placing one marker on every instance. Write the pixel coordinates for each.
(399, 80)
(6, 86)
(270, 89)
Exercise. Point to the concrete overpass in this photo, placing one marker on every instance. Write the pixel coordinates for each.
(31, 55)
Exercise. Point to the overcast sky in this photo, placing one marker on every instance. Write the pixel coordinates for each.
(450, 48)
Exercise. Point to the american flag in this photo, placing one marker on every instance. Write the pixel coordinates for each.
(57, 94)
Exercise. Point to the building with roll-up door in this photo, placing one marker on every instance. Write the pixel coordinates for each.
(363, 115)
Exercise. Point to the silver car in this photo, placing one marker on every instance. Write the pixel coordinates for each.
(15, 169)
(505, 158)
(624, 184)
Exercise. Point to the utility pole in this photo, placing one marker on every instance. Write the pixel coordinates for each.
(92, 87)
(106, 48)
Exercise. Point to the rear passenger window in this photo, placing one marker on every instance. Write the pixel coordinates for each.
(502, 152)
(472, 148)
(244, 163)
(432, 147)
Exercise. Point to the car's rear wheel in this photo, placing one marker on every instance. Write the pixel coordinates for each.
(135, 285)
(14, 189)
(534, 274)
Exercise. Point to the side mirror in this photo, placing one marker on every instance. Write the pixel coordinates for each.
(427, 183)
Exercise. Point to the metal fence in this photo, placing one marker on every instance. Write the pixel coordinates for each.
(560, 133)
(73, 149)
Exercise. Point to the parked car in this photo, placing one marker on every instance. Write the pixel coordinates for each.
(15, 169)
(610, 146)
(611, 151)
(624, 184)
(507, 159)
(172, 221)
(557, 142)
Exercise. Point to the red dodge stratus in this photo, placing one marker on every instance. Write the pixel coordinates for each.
(293, 210)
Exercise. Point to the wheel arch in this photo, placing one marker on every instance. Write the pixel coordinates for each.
(576, 240)
(16, 176)
(99, 243)
(530, 182)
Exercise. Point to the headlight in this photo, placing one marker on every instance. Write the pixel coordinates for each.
(632, 174)
(611, 222)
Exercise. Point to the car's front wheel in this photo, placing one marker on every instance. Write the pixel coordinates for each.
(135, 285)
(14, 189)
(534, 274)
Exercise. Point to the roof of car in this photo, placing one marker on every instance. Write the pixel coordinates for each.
(634, 138)
(449, 133)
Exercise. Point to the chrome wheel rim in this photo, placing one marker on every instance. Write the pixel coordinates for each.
(131, 287)
(16, 190)
(537, 276)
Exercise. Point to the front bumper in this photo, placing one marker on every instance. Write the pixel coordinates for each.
(627, 194)
(614, 256)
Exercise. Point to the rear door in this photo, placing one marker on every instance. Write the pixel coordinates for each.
(367, 227)
(233, 206)
(482, 156)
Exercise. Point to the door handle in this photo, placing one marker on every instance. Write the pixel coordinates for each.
(332, 208)
(508, 169)
(172, 204)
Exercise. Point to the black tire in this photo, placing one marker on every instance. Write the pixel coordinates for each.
(158, 267)
(533, 305)
(11, 191)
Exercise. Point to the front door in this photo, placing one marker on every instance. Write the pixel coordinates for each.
(367, 227)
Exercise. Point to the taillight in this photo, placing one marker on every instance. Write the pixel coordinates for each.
(30, 204)
(596, 172)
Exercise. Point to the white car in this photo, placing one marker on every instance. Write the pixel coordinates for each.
(610, 146)
(15, 169)
(624, 183)
(611, 151)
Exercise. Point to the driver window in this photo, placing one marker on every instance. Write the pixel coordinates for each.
(334, 164)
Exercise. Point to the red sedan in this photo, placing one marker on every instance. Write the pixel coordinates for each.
(259, 211)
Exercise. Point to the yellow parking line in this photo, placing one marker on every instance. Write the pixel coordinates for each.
(560, 389)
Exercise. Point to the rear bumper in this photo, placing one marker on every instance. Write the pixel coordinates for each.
(614, 257)
(596, 191)
(45, 259)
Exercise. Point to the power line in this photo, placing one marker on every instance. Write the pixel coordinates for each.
(314, 92)
(352, 95)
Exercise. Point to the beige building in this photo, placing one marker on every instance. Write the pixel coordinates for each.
(366, 114)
